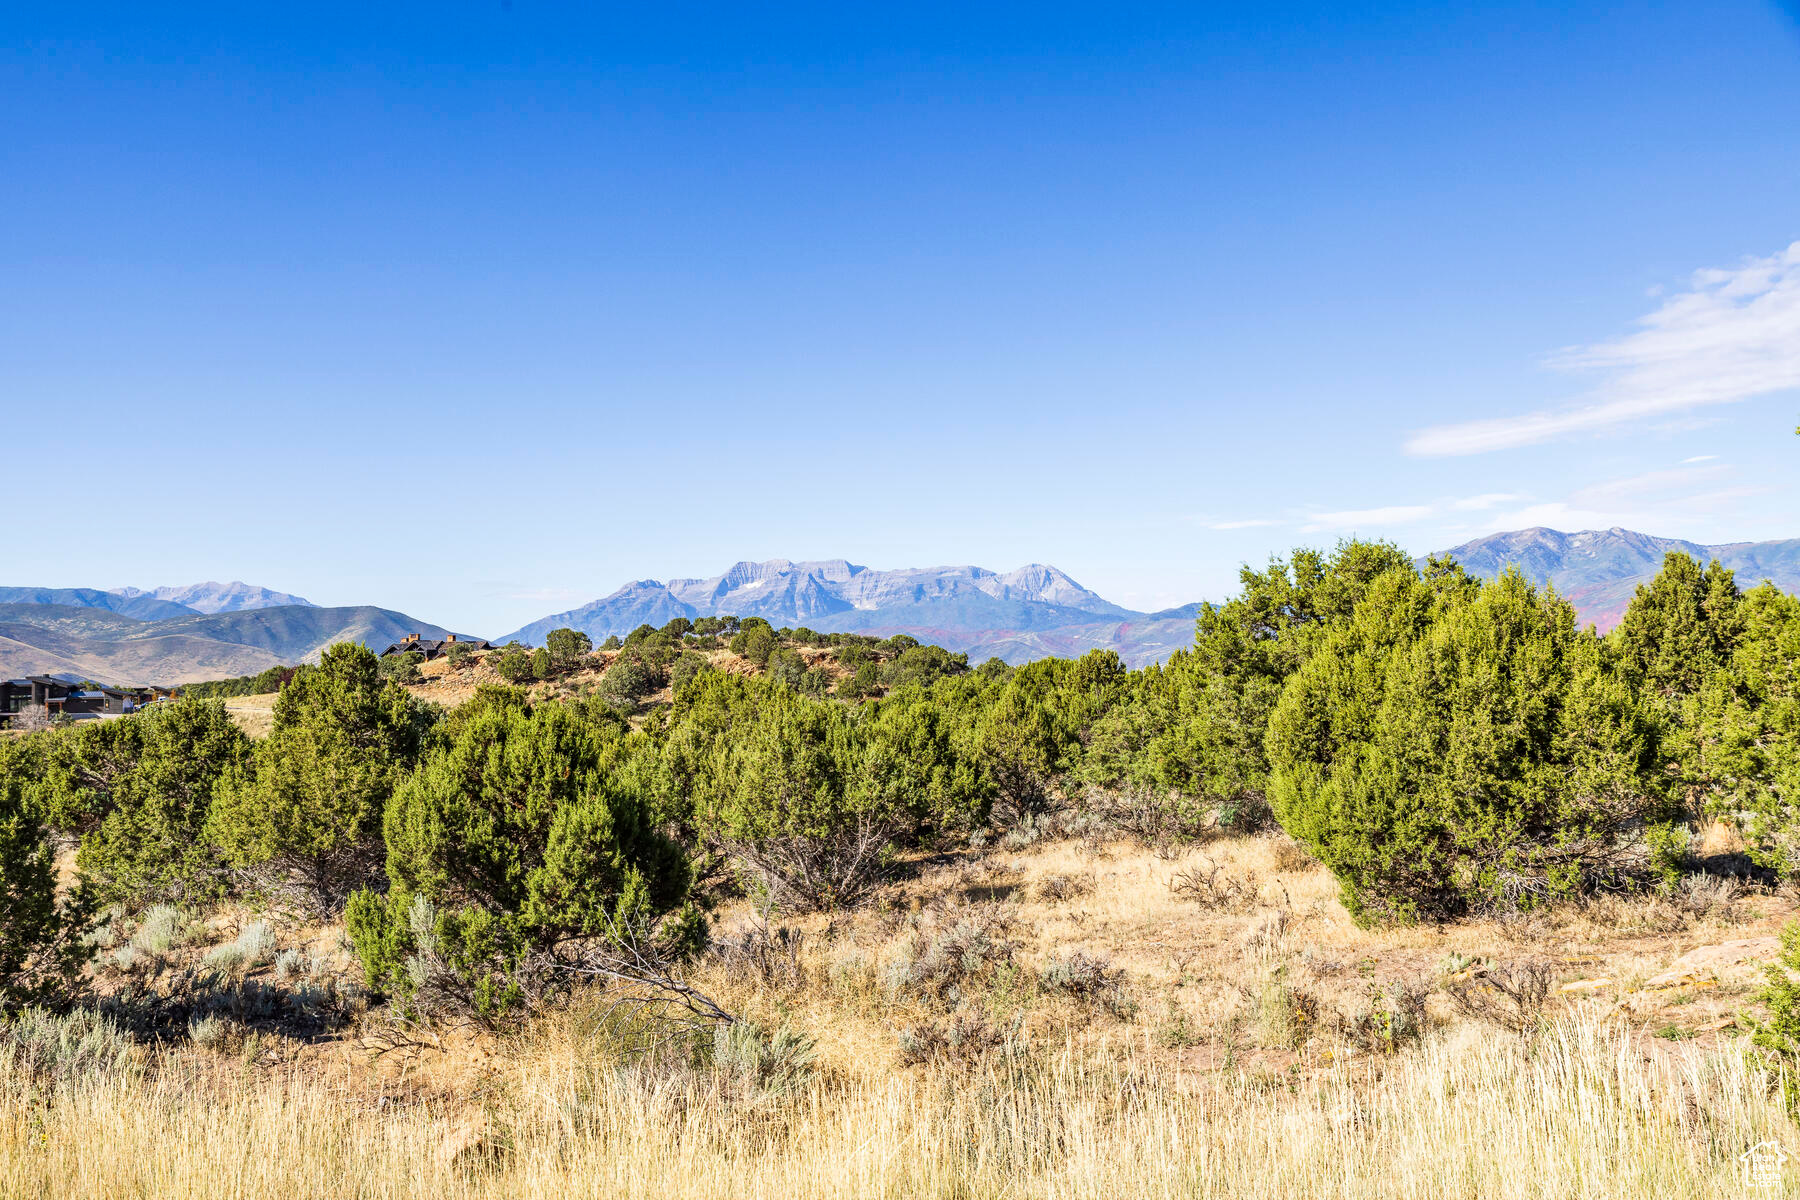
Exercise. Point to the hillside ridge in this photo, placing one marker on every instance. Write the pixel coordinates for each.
(114, 648)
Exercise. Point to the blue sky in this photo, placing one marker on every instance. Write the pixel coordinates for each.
(478, 311)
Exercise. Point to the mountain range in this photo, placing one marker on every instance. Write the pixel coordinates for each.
(213, 597)
(1038, 610)
(158, 603)
(1029, 613)
(215, 630)
(1597, 570)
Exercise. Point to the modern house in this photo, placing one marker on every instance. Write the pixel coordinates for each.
(429, 648)
(72, 697)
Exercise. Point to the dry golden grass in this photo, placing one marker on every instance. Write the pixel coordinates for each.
(1580, 1113)
(1223, 1072)
(255, 715)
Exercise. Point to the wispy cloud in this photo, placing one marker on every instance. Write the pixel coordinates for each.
(1367, 518)
(1567, 516)
(1649, 483)
(1251, 524)
(1668, 500)
(542, 595)
(1484, 501)
(1734, 334)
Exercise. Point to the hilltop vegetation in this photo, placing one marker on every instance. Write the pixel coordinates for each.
(716, 846)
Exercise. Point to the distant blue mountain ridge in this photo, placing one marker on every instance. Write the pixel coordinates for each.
(160, 603)
(212, 630)
(1020, 615)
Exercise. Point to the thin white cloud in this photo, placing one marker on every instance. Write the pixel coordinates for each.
(1367, 518)
(1252, 524)
(1649, 483)
(1724, 498)
(546, 595)
(1699, 458)
(1733, 335)
(1484, 502)
(1568, 517)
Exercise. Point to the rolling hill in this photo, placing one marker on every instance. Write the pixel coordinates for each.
(1598, 570)
(113, 648)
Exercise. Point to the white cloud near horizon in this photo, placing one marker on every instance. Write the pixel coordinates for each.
(1484, 502)
(1572, 518)
(1352, 519)
(1671, 500)
(1651, 482)
(1733, 335)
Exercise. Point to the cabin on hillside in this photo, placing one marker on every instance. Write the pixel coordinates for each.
(71, 696)
(429, 648)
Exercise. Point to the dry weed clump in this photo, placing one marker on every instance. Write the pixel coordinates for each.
(1285, 1013)
(767, 954)
(1208, 885)
(1511, 995)
(1059, 889)
(1389, 1018)
(1700, 895)
(1290, 856)
(941, 964)
(759, 1062)
(1090, 978)
(964, 1038)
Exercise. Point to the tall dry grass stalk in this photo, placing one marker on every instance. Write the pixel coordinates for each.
(1582, 1112)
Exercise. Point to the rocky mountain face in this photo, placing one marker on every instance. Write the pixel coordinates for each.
(213, 597)
(1598, 570)
(1018, 615)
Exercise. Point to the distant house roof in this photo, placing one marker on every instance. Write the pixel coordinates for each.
(432, 647)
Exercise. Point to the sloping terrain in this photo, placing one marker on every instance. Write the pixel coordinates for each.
(116, 649)
(1598, 570)
(23, 659)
